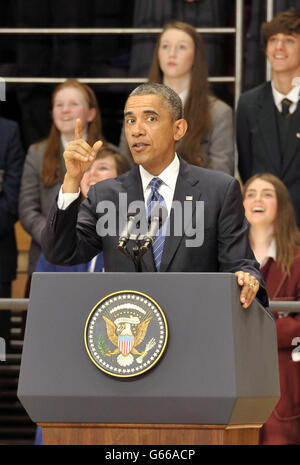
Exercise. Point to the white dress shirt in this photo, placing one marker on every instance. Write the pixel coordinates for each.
(167, 188)
(64, 142)
(293, 95)
(183, 95)
(271, 253)
(65, 199)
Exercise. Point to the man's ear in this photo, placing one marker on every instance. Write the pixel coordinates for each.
(180, 128)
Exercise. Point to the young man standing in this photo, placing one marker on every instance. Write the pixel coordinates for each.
(268, 116)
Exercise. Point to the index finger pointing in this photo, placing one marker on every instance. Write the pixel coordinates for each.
(78, 129)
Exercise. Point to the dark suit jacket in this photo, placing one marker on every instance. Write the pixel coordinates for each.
(11, 164)
(225, 247)
(283, 426)
(258, 142)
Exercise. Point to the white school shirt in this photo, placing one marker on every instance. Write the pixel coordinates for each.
(293, 95)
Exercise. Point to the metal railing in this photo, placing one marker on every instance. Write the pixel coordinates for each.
(269, 16)
(104, 30)
(275, 306)
(109, 80)
(239, 9)
(14, 304)
(237, 30)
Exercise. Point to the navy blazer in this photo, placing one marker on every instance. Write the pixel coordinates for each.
(69, 240)
(11, 165)
(258, 142)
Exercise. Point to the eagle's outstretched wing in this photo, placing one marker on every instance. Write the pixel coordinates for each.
(111, 331)
(141, 331)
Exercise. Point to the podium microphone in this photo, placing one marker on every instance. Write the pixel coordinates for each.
(156, 220)
(127, 230)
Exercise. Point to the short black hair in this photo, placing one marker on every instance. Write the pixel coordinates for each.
(170, 98)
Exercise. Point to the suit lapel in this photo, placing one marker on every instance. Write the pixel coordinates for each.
(293, 141)
(268, 129)
(133, 185)
(187, 187)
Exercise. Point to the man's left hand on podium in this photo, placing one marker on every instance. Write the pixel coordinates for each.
(250, 286)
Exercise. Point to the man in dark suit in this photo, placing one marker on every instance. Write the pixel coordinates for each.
(11, 165)
(268, 116)
(153, 123)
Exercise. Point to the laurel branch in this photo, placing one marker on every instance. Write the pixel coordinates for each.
(104, 349)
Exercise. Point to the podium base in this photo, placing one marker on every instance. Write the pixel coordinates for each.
(148, 434)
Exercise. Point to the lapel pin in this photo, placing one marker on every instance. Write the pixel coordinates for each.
(298, 135)
(188, 197)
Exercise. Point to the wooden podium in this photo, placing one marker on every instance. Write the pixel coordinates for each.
(216, 383)
(122, 434)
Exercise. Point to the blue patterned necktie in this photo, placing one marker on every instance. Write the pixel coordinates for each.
(154, 199)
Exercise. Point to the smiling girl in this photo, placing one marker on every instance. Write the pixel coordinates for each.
(275, 240)
(44, 167)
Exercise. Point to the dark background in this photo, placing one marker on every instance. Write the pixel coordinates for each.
(78, 56)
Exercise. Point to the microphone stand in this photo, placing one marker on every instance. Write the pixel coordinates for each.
(142, 242)
(137, 255)
(138, 252)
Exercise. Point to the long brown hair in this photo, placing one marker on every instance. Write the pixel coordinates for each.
(197, 106)
(286, 232)
(51, 172)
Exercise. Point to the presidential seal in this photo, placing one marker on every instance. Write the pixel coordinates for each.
(126, 334)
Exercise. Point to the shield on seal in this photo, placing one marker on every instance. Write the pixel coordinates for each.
(125, 344)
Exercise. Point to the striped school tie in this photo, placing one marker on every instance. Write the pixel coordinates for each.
(154, 199)
(286, 103)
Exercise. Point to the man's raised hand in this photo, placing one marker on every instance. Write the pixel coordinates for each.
(78, 129)
(78, 156)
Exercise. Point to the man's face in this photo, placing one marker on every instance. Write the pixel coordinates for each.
(151, 134)
(283, 53)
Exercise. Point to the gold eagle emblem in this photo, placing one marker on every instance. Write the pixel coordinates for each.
(126, 334)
